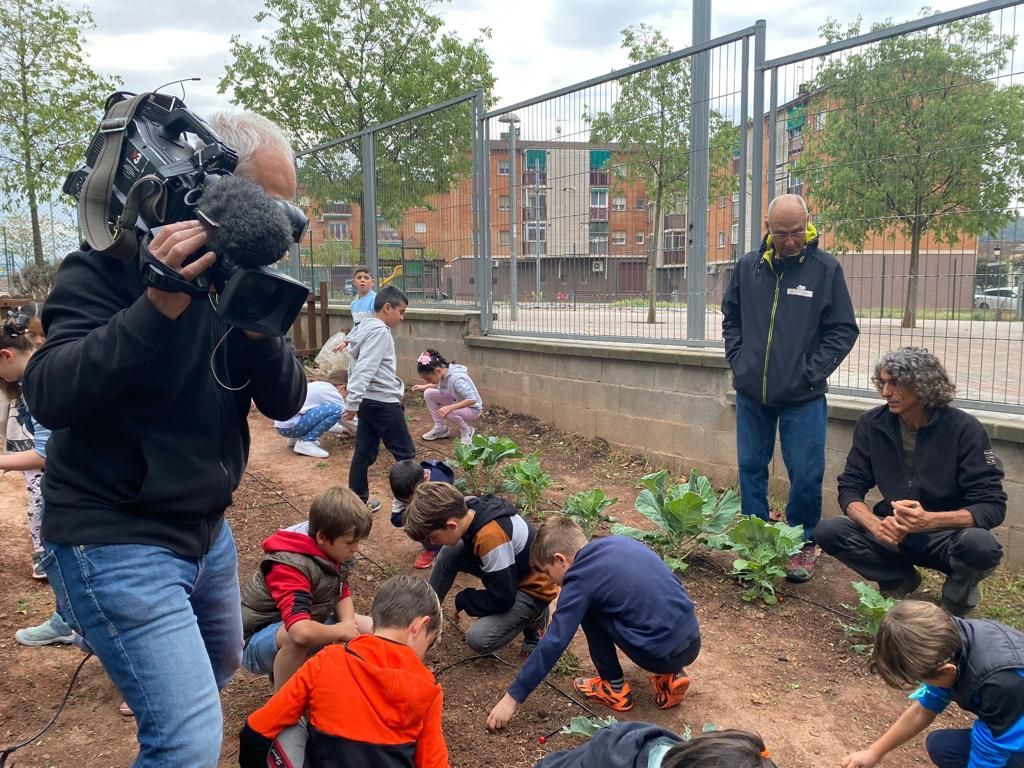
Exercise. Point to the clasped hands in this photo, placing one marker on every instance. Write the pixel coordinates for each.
(908, 516)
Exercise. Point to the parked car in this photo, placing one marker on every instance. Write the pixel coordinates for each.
(997, 298)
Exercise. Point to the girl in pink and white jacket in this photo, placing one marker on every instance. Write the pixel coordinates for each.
(450, 394)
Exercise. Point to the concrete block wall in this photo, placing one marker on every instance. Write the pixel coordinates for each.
(672, 404)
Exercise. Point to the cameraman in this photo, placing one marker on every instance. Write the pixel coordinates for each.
(147, 394)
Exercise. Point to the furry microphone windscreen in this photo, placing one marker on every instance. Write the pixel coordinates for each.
(245, 224)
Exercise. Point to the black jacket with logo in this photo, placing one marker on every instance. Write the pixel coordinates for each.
(787, 324)
(954, 466)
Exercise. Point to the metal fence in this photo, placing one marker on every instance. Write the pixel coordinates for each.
(402, 198)
(615, 209)
(590, 188)
(906, 143)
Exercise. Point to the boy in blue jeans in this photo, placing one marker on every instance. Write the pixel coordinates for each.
(976, 663)
(624, 596)
(299, 599)
(404, 477)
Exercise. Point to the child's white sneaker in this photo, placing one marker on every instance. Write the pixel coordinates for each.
(310, 448)
(467, 435)
(438, 432)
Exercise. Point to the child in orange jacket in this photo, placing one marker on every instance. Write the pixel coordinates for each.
(372, 703)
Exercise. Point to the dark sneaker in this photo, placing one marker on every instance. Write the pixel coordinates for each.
(900, 591)
(801, 565)
(960, 593)
(669, 690)
(596, 689)
(373, 505)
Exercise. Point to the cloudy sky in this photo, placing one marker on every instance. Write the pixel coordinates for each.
(536, 45)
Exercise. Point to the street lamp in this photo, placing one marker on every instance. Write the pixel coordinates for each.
(512, 120)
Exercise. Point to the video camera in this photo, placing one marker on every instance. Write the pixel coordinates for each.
(140, 173)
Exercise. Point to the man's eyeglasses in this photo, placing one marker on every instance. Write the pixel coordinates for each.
(780, 236)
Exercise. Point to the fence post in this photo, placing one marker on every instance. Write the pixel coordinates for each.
(700, 109)
(370, 204)
(773, 135)
(481, 193)
(757, 138)
(325, 320)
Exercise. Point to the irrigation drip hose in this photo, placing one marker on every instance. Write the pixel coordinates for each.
(8, 751)
(276, 492)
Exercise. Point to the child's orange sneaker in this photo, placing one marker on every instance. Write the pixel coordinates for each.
(669, 690)
(596, 689)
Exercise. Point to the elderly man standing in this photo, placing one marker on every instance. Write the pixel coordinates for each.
(787, 324)
(941, 485)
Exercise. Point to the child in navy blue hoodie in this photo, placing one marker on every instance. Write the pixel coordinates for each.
(624, 597)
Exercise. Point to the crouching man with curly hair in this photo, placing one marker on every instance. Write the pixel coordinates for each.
(940, 481)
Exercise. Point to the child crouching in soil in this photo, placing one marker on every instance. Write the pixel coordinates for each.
(371, 702)
(976, 663)
(624, 596)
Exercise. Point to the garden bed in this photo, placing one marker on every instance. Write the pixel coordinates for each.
(786, 671)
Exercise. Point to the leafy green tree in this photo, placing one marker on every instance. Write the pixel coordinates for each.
(921, 137)
(49, 101)
(650, 121)
(326, 69)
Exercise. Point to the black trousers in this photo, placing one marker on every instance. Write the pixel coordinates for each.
(602, 640)
(378, 422)
(953, 552)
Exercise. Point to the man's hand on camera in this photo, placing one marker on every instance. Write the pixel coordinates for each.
(172, 245)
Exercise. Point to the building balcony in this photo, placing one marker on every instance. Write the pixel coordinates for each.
(336, 209)
(532, 214)
(535, 178)
(530, 248)
(598, 213)
(599, 178)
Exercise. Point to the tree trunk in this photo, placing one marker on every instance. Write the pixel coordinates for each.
(37, 231)
(910, 303)
(652, 259)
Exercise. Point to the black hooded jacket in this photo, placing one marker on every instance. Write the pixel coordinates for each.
(787, 324)
(150, 437)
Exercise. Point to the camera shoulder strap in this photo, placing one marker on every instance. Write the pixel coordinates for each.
(98, 187)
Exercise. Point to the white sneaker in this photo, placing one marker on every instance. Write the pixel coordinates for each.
(438, 432)
(467, 435)
(337, 429)
(310, 448)
(292, 441)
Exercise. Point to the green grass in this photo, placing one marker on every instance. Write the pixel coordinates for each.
(896, 313)
(1002, 595)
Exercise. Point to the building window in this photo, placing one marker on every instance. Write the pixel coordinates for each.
(599, 198)
(820, 119)
(722, 201)
(504, 237)
(621, 171)
(721, 239)
(735, 235)
(641, 204)
(421, 227)
(598, 245)
(619, 203)
(618, 238)
(639, 238)
(531, 231)
(735, 205)
(504, 202)
(504, 167)
(338, 230)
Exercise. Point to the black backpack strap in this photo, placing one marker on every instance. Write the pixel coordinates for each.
(97, 189)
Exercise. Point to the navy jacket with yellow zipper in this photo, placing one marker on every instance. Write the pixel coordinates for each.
(787, 324)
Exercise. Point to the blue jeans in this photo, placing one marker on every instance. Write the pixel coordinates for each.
(951, 748)
(802, 434)
(168, 630)
(313, 423)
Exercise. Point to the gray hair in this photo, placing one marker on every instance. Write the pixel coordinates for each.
(246, 133)
(771, 205)
(918, 369)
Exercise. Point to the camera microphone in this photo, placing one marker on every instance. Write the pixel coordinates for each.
(246, 226)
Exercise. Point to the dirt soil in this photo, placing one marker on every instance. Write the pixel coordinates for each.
(785, 671)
